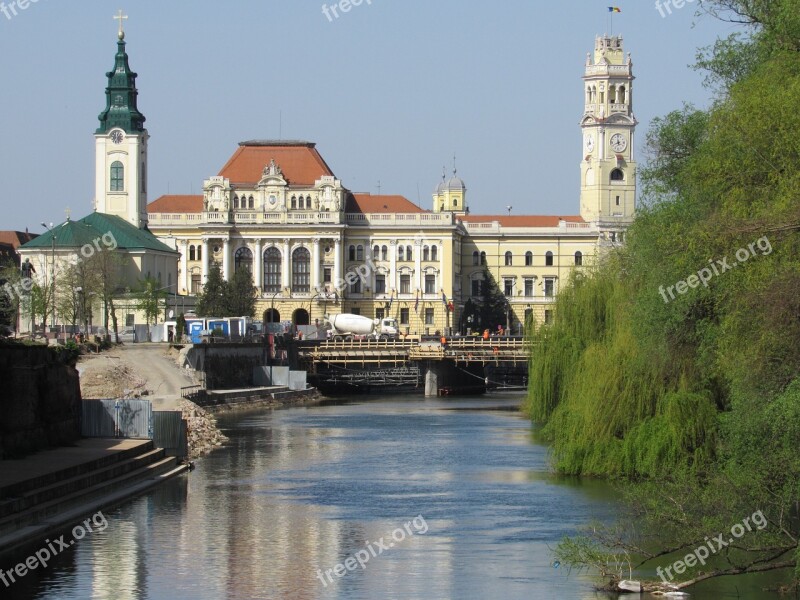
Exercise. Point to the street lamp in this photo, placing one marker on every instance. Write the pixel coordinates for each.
(53, 276)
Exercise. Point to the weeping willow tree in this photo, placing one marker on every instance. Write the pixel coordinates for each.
(694, 396)
(610, 405)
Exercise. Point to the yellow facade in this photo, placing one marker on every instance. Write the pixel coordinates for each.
(277, 210)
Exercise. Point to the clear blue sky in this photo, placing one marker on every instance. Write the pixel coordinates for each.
(388, 91)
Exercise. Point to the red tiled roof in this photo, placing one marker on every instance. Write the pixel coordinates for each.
(300, 162)
(176, 204)
(367, 203)
(16, 238)
(522, 220)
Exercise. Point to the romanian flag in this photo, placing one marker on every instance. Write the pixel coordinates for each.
(444, 299)
(614, 9)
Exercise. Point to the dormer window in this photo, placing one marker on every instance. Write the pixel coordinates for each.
(617, 175)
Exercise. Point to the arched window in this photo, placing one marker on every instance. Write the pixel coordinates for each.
(578, 258)
(617, 175)
(301, 271)
(351, 253)
(434, 253)
(251, 203)
(612, 94)
(384, 253)
(409, 255)
(308, 202)
(509, 259)
(529, 259)
(359, 253)
(294, 202)
(376, 253)
(236, 202)
(426, 253)
(476, 259)
(588, 95)
(191, 253)
(548, 259)
(401, 253)
(455, 202)
(483, 258)
(243, 259)
(272, 270)
(199, 253)
(621, 97)
(117, 177)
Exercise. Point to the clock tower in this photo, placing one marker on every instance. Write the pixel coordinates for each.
(121, 146)
(608, 170)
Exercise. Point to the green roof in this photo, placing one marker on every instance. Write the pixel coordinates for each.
(121, 97)
(75, 234)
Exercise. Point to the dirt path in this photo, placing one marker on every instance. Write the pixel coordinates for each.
(127, 371)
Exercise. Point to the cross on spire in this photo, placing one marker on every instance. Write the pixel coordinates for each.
(454, 165)
(68, 212)
(120, 17)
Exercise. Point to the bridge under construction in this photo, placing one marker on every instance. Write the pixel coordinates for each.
(453, 366)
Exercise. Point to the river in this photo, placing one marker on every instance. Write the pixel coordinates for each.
(395, 497)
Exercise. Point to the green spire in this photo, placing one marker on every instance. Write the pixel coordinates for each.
(121, 94)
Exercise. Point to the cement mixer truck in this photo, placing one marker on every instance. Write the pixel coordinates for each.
(350, 327)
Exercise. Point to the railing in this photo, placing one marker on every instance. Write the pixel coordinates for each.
(400, 219)
(250, 218)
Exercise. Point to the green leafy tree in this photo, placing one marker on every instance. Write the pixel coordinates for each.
(241, 295)
(212, 301)
(180, 328)
(694, 395)
(149, 300)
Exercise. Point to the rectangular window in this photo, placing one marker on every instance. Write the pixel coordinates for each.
(405, 284)
(430, 284)
(508, 287)
(617, 200)
(404, 316)
(196, 287)
(355, 311)
(326, 275)
(476, 287)
(428, 316)
(355, 287)
(379, 313)
(529, 287)
(380, 284)
(549, 287)
(129, 320)
(548, 317)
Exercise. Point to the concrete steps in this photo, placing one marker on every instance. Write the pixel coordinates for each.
(69, 494)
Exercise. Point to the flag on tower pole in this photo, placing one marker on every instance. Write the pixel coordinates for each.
(611, 11)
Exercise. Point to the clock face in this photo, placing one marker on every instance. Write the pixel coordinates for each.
(117, 136)
(589, 143)
(618, 142)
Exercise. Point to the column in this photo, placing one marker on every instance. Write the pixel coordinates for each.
(337, 262)
(286, 263)
(183, 282)
(205, 260)
(226, 258)
(258, 267)
(418, 266)
(315, 270)
(391, 280)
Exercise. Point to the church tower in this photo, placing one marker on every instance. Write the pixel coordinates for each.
(450, 195)
(121, 146)
(608, 171)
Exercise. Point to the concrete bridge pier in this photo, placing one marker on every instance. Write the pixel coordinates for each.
(431, 379)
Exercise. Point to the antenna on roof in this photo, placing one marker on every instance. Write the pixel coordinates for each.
(508, 208)
(379, 187)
